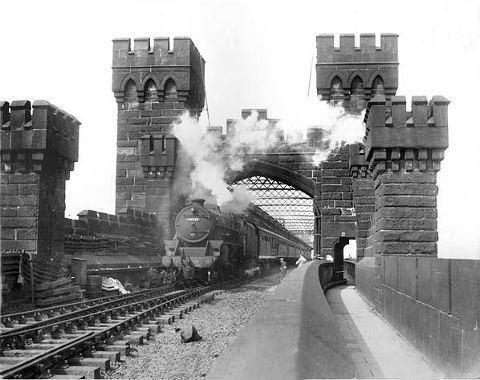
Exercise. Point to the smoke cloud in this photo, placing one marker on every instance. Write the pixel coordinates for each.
(204, 170)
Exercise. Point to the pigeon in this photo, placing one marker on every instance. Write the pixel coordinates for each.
(189, 334)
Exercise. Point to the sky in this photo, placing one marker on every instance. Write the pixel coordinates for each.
(258, 54)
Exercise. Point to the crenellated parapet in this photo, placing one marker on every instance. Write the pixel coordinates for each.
(38, 149)
(401, 140)
(357, 164)
(351, 74)
(131, 231)
(134, 71)
(43, 140)
(403, 150)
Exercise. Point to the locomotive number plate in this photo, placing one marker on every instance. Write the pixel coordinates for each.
(192, 219)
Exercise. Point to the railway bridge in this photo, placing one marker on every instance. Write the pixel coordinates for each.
(380, 192)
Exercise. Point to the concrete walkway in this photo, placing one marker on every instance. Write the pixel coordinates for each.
(375, 347)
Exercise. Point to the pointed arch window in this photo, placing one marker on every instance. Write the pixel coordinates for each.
(131, 97)
(151, 91)
(357, 93)
(336, 90)
(378, 86)
(170, 89)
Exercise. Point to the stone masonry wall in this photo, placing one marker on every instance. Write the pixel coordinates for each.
(404, 153)
(37, 154)
(363, 196)
(153, 85)
(336, 207)
(132, 232)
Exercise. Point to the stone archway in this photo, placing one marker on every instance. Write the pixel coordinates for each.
(285, 194)
(277, 172)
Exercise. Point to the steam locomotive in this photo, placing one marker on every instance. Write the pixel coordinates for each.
(218, 245)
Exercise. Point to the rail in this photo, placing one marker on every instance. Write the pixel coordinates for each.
(119, 319)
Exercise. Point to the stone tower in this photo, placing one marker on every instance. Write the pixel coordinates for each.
(153, 85)
(351, 75)
(38, 151)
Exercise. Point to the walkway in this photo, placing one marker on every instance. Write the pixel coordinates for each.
(375, 348)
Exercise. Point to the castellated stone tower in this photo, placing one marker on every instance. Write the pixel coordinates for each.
(351, 75)
(153, 85)
(38, 151)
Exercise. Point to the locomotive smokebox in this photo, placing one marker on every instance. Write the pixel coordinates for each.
(198, 202)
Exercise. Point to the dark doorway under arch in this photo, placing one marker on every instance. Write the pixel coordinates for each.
(338, 257)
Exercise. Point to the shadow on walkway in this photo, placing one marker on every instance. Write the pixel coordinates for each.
(376, 349)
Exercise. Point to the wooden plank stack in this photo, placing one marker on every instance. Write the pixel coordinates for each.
(57, 292)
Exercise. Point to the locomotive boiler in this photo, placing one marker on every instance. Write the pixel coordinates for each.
(222, 245)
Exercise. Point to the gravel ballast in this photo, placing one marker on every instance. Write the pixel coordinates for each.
(218, 322)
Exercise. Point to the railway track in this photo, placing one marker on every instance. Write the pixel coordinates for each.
(11, 323)
(83, 342)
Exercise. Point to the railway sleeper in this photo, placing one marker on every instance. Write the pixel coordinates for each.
(154, 327)
(166, 319)
(90, 372)
(136, 337)
(102, 363)
(121, 348)
(23, 353)
(113, 356)
(10, 360)
(177, 312)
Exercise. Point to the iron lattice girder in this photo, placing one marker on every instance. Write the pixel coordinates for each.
(283, 202)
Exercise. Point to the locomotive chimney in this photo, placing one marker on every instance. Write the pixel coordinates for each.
(198, 202)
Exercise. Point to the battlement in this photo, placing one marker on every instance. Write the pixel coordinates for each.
(393, 132)
(366, 52)
(182, 53)
(180, 64)
(131, 231)
(126, 216)
(28, 136)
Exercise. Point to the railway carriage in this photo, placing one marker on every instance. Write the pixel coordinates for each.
(220, 245)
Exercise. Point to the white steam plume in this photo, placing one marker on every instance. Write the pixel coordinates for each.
(207, 170)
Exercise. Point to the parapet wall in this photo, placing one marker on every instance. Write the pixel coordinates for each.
(183, 52)
(367, 51)
(38, 151)
(434, 303)
(295, 329)
(30, 140)
(181, 63)
(412, 140)
(131, 231)
(350, 74)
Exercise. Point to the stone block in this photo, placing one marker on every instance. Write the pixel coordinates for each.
(407, 276)
(407, 316)
(404, 248)
(407, 235)
(427, 338)
(465, 290)
(406, 201)
(390, 268)
(450, 341)
(407, 213)
(434, 282)
(427, 189)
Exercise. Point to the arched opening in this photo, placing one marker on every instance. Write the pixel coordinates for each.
(131, 97)
(151, 91)
(357, 93)
(378, 86)
(289, 205)
(340, 253)
(170, 89)
(336, 90)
